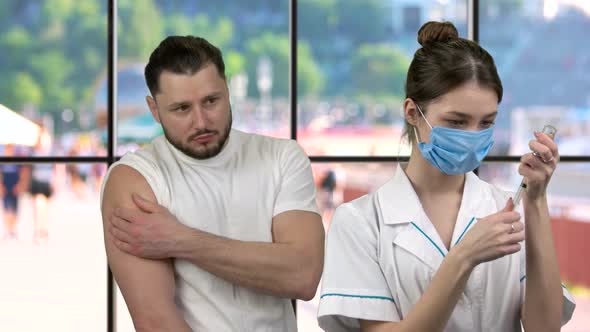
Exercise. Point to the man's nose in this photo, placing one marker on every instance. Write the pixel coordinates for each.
(198, 118)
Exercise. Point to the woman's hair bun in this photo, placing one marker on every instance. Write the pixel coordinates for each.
(437, 32)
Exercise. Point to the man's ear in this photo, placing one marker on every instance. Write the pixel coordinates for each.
(153, 108)
(411, 113)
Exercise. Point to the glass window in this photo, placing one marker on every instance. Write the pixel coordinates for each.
(544, 70)
(569, 206)
(53, 53)
(338, 183)
(254, 38)
(51, 248)
(351, 74)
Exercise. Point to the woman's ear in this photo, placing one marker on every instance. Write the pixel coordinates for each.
(411, 112)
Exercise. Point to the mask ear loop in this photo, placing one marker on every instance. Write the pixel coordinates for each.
(420, 110)
(416, 134)
(416, 128)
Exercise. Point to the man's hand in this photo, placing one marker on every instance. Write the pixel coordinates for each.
(148, 232)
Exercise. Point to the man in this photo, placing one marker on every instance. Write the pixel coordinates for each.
(209, 228)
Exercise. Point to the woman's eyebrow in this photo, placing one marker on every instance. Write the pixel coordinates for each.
(469, 116)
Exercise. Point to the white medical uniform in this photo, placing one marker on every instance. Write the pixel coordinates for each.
(235, 194)
(383, 251)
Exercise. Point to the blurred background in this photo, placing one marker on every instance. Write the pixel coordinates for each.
(350, 65)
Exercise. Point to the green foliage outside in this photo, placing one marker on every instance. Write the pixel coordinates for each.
(54, 53)
(379, 70)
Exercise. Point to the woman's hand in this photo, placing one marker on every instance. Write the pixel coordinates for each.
(538, 167)
(492, 237)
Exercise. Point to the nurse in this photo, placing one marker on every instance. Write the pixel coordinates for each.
(436, 248)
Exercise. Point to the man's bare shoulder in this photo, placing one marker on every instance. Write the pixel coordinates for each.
(122, 181)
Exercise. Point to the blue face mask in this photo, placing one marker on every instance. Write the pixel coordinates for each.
(455, 151)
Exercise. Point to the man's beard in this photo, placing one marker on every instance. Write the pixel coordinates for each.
(210, 150)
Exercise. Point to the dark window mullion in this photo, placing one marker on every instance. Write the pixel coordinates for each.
(385, 159)
(111, 95)
(53, 159)
(293, 67)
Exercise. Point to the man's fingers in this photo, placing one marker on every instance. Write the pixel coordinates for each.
(131, 215)
(120, 223)
(120, 235)
(123, 246)
(144, 204)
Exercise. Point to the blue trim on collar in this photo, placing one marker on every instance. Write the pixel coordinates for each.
(429, 239)
(465, 230)
(359, 296)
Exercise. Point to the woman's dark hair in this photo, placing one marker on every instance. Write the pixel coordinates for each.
(443, 63)
(181, 55)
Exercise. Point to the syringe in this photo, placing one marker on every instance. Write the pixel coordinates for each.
(549, 131)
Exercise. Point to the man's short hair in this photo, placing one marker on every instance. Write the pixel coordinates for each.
(181, 55)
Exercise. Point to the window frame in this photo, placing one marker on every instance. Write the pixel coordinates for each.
(111, 157)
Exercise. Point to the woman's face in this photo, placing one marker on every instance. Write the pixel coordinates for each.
(468, 107)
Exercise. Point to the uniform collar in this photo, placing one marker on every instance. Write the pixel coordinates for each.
(400, 204)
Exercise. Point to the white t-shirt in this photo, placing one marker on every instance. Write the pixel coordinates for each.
(383, 251)
(234, 194)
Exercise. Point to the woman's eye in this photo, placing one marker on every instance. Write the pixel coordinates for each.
(456, 122)
(488, 124)
(210, 101)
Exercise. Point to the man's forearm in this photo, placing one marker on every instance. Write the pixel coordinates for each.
(162, 322)
(543, 296)
(277, 269)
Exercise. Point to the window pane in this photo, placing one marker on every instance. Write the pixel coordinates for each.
(569, 206)
(53, 53)
(51, 249)
(544, 70)
(351, 73)
(338, 183)
(254, 38)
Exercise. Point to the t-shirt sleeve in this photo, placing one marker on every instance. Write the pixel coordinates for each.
(140, 162)
(297, 189)
(353, 287)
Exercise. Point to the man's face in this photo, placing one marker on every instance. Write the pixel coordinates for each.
(194, 111)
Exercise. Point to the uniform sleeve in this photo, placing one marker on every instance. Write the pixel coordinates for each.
(297, 190)
(569, 304)
(353, 285)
